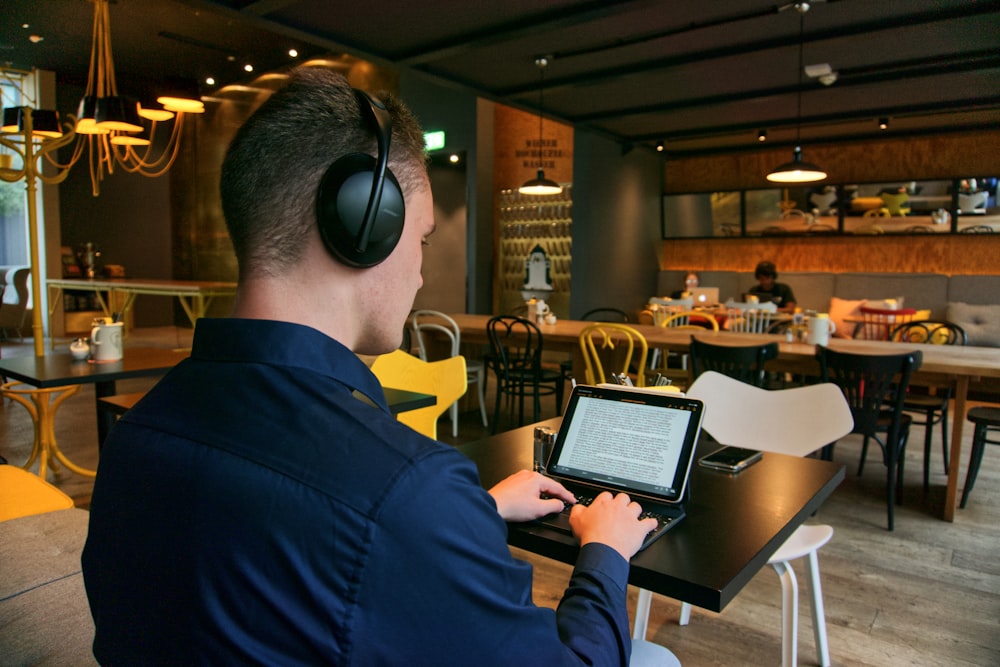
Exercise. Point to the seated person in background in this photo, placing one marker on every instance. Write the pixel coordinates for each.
(767, 289)
(690, 282)
(262, 505)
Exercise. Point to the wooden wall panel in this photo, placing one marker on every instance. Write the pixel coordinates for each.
(516, 148)
(902, 159)
(974, 253)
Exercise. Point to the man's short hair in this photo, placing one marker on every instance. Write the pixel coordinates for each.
(766, 269)
(274, 164)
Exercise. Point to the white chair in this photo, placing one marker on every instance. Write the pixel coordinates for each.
(974, 203)
(432, 320)
(811, 417)
(749, 317)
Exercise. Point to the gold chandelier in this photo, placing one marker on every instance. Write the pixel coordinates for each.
(110, 126)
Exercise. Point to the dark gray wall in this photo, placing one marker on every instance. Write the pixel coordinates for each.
(616, 225)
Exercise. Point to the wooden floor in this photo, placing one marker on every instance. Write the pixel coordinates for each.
(926, 594)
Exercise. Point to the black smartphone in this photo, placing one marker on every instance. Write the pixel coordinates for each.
(730, 459)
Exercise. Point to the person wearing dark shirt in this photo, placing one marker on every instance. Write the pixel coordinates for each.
(260, 505)
(767, 289)
(690, 282)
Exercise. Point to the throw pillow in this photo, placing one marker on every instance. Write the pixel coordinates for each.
(980, 322)
(841, 308)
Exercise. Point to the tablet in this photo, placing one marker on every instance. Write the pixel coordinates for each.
(730, 459)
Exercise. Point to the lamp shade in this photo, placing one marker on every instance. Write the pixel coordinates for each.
(540, 186)
(118, 113)
(796, 171)
(44, 122)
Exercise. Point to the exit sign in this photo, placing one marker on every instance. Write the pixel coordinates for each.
(434, 140)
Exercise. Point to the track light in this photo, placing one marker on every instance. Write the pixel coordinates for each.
(659, 146)
(883, 123)
(762, 135)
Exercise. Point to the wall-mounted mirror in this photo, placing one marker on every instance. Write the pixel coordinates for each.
(701, 215)
(977, 208)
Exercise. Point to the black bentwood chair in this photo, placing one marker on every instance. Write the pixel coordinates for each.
(743, 363)
(875, 388)
(932, 406)
(516, 357)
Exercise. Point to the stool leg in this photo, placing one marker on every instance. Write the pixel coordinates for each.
(819, 613)
(975, 458)
(789, 613)
(642, 614)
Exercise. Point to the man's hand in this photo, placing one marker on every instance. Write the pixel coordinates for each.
(519, 497)
(611, 520)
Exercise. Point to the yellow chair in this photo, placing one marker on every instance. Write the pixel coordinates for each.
(445, 379)
(691, 319)
(42, 404)
(898, 204)
(24, 494)
(614, 345)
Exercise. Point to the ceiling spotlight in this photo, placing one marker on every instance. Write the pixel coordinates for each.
(659, 146)
(883, 123)
(762, 135)
(210, 81)
(248, 67)
(292, 53)
(453, 158)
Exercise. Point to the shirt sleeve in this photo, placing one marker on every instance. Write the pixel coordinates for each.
(441, 586)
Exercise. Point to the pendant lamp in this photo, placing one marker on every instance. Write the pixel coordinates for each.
(540, 185)
(798, 170)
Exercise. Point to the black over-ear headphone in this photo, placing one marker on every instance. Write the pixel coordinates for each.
(359, 204)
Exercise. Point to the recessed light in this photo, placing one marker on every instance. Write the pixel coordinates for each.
(210, 81)
(292, 53)
(248, 67)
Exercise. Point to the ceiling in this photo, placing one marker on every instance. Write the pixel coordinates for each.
(700, 76)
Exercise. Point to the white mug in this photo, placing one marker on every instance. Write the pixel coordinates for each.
(820, 328)
(106, 341)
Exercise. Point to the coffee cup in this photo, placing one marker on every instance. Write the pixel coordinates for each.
(819, 329)
(106, 341)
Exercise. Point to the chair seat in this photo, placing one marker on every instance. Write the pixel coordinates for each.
(648, 654)
(920, 402)
(984, 415)
(804, 540)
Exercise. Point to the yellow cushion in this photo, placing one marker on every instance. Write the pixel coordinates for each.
(24, 494)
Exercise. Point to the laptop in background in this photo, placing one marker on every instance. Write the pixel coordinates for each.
(621, 440)
(705, 296)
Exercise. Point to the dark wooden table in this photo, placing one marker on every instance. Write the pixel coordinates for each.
(55, 370)
(734, 523)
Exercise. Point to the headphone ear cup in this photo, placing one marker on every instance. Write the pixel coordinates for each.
(341, 204)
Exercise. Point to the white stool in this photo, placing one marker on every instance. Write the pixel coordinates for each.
(648, 654)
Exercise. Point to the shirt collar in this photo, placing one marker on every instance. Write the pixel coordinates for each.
(285, 344)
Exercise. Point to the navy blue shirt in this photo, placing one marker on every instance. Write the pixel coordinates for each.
(780, 294)
(252, 509)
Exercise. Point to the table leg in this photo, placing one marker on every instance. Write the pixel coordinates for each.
(105, 418)
(957, 422)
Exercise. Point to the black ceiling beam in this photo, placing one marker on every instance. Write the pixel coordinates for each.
(968, 104)
(918, 68)
(554, 82)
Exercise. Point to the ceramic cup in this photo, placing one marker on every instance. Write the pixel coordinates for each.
(106, 341)
(820, 328)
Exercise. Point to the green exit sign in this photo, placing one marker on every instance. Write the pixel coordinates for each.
(434, 141)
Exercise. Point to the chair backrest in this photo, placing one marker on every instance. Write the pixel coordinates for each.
(515, 346)
(898, 204)
(744, 363)
(616, 348)
(424, 321)
(14, 291)
(976, 229)
(767, 306)
(691, 319)
(878, 322)
(967, 203)
(445, 379)
(929, 332)
(795, 421)
(660, 309)
(605, 315)
(870, 383)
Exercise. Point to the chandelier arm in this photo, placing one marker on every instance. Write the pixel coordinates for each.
(166, 157)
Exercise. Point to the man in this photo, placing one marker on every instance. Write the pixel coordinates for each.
(261, 506)
(767, 289)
